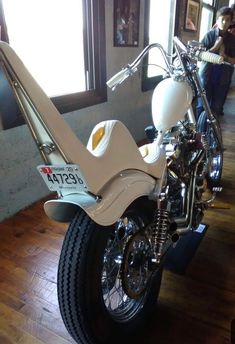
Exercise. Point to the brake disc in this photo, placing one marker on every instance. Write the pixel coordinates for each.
(135, 272)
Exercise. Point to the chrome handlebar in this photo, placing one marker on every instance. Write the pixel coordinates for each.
(130, 69)
(194, 50)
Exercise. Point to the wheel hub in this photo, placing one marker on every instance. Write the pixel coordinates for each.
(134, 272)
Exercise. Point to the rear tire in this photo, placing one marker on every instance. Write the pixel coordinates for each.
(215, 155)
(93, 304)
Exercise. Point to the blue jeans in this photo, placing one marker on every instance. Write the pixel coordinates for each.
(217, 87)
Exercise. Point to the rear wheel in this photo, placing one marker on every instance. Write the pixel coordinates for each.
(105, 289)
(214, 153)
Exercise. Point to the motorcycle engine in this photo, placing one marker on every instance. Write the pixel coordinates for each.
(182, 145)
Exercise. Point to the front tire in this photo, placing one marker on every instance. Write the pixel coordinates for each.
(95, 303)
(214, 153)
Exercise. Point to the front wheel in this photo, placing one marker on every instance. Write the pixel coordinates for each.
(214, 158)
(105, 289)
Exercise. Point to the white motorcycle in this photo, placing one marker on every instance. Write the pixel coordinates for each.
(126, 205)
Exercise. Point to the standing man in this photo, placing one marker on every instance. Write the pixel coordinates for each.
(216, 78)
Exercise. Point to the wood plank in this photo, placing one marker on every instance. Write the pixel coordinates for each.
(15, 323)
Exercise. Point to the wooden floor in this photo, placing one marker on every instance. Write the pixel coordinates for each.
(198, 307)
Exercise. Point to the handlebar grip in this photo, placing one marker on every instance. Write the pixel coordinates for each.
(118, 78)
(211, 57)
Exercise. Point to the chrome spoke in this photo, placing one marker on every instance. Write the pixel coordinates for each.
(115, 297)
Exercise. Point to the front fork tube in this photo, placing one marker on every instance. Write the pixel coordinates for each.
(202, 93)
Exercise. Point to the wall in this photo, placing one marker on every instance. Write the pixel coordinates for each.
(20, 184)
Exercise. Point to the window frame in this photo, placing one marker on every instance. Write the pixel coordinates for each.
(94, 57)
(95, 61)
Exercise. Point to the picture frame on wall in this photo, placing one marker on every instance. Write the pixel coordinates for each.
(126, 23)
(192, 15)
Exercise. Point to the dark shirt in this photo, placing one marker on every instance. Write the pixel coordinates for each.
(210, 37)
(231, 27)
(229, 44)
(208, 70)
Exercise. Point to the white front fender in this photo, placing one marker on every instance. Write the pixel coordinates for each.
(116, 196)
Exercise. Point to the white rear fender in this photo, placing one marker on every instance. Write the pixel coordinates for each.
(117, 195)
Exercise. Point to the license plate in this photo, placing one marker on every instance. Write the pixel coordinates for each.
(66, 177)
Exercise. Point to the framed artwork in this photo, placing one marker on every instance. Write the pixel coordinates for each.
(126, 23)
(192, 14)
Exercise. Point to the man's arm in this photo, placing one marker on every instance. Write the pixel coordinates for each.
(217, 45)
(211, 41)
(229, 59)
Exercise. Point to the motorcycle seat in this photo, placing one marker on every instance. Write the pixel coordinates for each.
(113, 144)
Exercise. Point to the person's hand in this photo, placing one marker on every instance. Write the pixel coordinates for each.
(229, 59)
(222, 50)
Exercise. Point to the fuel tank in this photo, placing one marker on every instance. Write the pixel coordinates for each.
(170, 102)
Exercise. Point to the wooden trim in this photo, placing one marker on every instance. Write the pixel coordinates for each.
(76, 101)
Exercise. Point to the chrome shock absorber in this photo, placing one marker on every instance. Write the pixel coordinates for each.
(160, 227)
(159, 234)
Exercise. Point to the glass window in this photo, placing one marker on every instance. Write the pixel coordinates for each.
(57, 41)
(48, 37)
(207, 16)
(159, 29)
(209, 2)
(206, 21)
